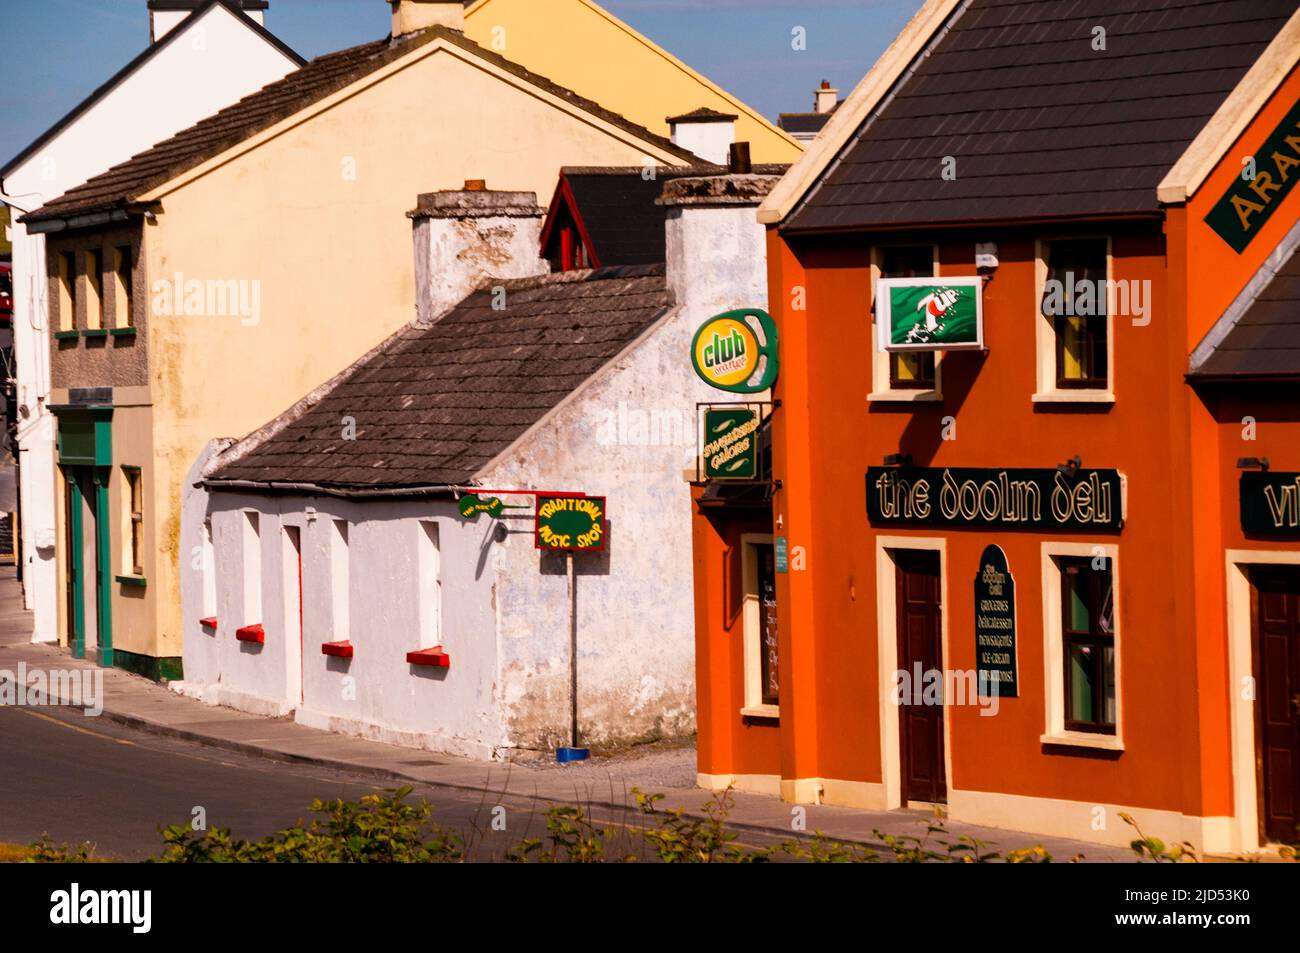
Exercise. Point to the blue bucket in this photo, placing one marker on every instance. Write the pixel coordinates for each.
(566, 755)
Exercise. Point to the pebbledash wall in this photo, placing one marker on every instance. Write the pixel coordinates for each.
(504, 617)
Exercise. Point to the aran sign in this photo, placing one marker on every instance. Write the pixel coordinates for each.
(927, 314)
(1266, 178)
(736, 351)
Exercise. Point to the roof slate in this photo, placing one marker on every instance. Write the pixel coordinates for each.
(1039, 122)
(125, 183)
(1265, 341)
(435, 404)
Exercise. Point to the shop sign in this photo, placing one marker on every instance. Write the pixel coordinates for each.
(471, 505)
(570, 523)
(926, 314)
(1266, 178)
(995, 625)
(736, 351)
(1270, 503)
(731, 443)
(782, 552)
(1048, 499)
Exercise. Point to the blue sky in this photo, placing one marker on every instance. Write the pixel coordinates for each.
(55, 52)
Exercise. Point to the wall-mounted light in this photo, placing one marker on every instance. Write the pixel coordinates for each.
(986, 256)
(903, 460)
(1252, 463)
(1070, 467)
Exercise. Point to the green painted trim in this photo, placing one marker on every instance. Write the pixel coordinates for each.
(122, 332)
(78, 576)
(95, 333)
(166, 668)
(103, 568)
(85, 435)
(66, 335)
(132, 581)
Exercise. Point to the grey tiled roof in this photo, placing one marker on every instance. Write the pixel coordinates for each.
(434, 404)
(1039, 123)
(1264, 343)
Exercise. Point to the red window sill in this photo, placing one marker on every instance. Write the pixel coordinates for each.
(209, 623)
(251, 633)
(434, 657)
(337, 649)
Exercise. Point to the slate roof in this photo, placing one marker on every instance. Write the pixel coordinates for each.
(123, 184)
(1041, 124)
(703, 114)
(434, 404)
(805, 123)
(1264, 342)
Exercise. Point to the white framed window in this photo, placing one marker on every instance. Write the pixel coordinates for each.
(340, 575)
(429, 565)
(916, 376)
(1082, 645)
(1074, 327)
(252, 552)
(762, 668)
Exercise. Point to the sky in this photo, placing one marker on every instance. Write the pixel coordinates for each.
(53, 53)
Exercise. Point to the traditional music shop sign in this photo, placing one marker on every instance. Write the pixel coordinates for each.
(1270, 503)
(995, 625)
(570, 523)
(1027, 498)
(1266, 178)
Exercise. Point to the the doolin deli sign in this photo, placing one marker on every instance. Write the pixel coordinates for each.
(1014, 498)
(736, 351)
(1270, 503)
(731, 443)
(926, 314)
(1266, 178)
(570, 523)
(995, 625)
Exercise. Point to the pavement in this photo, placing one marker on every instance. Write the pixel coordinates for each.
(181, 728)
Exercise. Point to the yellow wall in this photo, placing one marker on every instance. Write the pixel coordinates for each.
(579, 45)
(333, 255)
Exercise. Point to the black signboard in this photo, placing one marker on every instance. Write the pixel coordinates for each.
(995, 625)
(1261, 187)
(1048, 499)
(1270, 503)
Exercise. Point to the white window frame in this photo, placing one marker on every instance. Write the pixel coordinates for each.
(881, 390)
(1054, 647)
(1045, 334)
(752, 621)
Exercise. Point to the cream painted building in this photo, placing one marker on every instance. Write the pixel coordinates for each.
(269, 247)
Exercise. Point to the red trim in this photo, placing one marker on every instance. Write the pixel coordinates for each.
(434, 657)
(337, 649)
(251, 633)
(209, 623)
(563, 191)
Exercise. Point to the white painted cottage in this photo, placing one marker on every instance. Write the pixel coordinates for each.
(203, 55)
(334, 577)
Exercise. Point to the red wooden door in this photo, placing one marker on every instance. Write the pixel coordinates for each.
(1277, 675)
(920, 642)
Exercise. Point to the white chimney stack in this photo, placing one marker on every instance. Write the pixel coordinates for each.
(410, 16)
(464, 236)
(166, 15)
(706, 132)
(826, 98)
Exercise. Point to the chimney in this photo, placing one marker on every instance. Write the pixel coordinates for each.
(464, 236)
(715, 248)
(825, 98)
(410, 16)
(166, 15)
(706, 132)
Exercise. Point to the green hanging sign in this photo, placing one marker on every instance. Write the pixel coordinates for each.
(571, 523)
(731, 443)
(928, 314)
(471, 505)
(737, 351)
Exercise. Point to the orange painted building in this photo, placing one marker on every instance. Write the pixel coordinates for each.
(1144, 629)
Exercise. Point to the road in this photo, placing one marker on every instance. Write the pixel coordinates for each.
(81, 779)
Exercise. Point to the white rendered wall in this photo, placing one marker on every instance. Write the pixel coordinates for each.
(215, 62)
(710, 141)
(454, 255)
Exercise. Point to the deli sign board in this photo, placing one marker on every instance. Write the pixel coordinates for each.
(930, 314)
(570, 523)
(1270, 503)
(1045, 499)
(731, 443)
(737, 351)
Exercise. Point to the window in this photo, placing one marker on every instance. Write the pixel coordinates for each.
(94, 292)
(67, 291)
(252, 549)
(430, 569)
(1081, 625)
(133, 534)
(339, 576)
(1074, 330)
(912, 376)
(209, 572)
(762, 658)
(123, 287)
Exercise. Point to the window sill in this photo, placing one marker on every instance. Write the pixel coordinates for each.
(133, 581)
(431, 658)
(337, 649)
(1074, 397)
(1081, 739)
(251, 633)
(122, 332)
(209, 623)
(761, 711)
(66, 335)
(95, 333)
(905, 396)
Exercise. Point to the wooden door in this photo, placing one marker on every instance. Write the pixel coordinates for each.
(920, 649)
(1276, 612)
